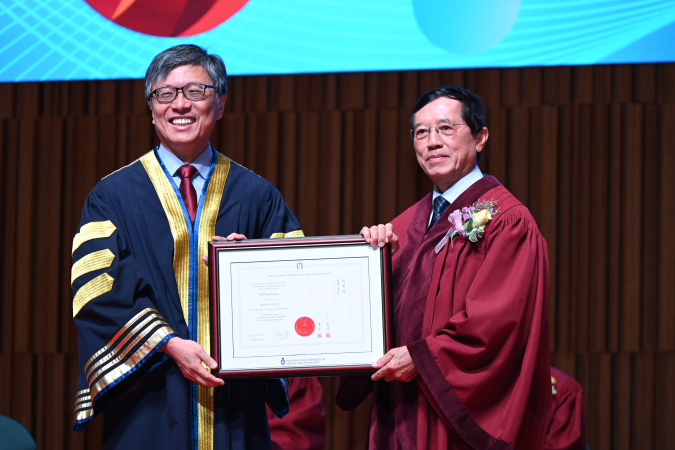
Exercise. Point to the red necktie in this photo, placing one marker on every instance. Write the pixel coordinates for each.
(187, 190)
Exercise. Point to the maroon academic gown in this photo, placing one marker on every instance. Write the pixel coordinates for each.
(566, 427)
(474, 318)
(304, 427)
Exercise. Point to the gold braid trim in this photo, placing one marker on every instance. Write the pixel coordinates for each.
(84, 393)
(179, 230)
(83, 407)
(149, 332)
(92, 230)
(181, 265)
(292, 234)
(207, 228)
(150, 341)
(92, 289)
(93, 371)
(101, 259)
(114, 339)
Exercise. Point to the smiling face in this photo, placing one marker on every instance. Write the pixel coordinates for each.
(446, 159)
(184, 126)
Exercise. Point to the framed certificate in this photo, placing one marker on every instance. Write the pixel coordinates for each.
(298, 306)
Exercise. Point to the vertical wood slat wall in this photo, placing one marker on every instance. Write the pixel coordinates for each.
(590, 149)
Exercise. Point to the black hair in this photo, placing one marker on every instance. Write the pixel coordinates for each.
(472, 110)
(186, 55)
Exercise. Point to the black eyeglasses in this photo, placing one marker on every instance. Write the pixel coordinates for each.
(192, 91)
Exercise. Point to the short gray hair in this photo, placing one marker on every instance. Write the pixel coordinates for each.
(186, 55)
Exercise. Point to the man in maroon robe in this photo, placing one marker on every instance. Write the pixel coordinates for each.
(471, 363)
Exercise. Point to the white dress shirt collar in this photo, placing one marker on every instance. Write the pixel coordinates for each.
(462, 185)
(202, 162)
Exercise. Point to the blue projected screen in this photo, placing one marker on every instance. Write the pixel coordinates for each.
(43, 40)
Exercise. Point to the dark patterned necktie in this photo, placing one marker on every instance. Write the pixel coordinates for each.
(440, 205)
(187, 190)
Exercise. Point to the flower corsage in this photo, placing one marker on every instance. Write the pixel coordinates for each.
(469, 222)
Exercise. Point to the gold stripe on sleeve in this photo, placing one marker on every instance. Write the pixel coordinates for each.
(84, 412)
(116, 359)
(83, 407)
(207, 228)
(124, 361)
(292, 234)
(92, 289)
(84, 393)
(93, 371)
(93, 230)
(101, 259)
(130, 325)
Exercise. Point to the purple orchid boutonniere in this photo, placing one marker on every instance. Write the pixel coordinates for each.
(469, 222)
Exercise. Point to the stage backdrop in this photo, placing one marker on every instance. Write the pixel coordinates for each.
(588, 148)
(43, 40)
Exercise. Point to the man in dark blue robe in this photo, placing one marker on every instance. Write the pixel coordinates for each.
(141, 290)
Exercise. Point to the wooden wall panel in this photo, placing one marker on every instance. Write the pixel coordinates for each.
(309, 147)
(10, 184)
(365, 147)
(666, 247)
(407, 169)
(5, 384)
(518, 160)
(563, 246)
(581, 207)
(598, 249)
(48, 170)
(645, 83)
(493, 159)
(26, 230)
(631, 230)
(604, 82)
(621, 403)
(582, 85)
(543, 182)
(614, 231)
(588, 148)
(27, 100)
(387, 170)
(329, 172)
(560, 263)
(665, 79)
(281, 93)
(622, 84)
(350, 157)
(21, 369)
(289, 156)
(650, 202)
(556, 85)
(642, 426)
(664, 410)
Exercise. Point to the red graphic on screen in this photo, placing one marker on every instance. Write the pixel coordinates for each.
(170, 18)
(304, 326)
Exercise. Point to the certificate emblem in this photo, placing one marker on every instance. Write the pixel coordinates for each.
(304, 326)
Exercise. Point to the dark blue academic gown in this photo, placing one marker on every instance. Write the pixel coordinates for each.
(138, 280)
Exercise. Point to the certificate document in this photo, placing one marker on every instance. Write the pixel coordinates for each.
(297, 307)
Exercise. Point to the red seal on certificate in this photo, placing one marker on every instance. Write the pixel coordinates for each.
(304, 326)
